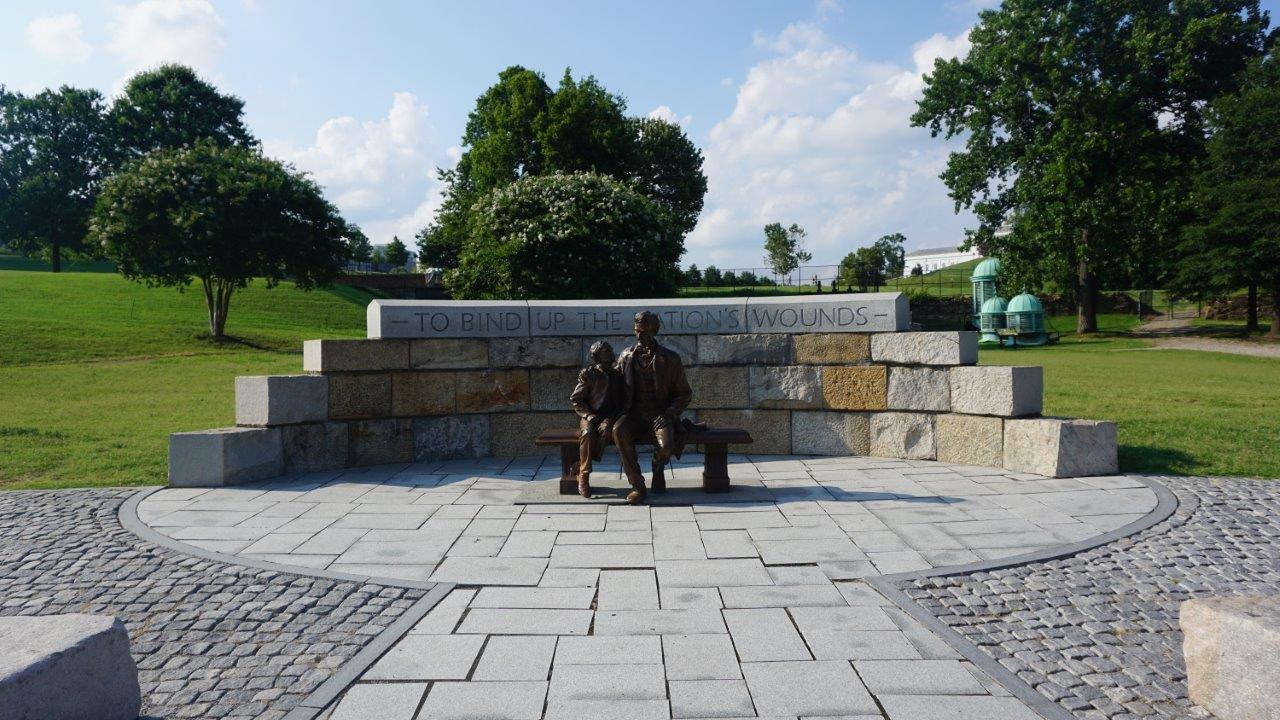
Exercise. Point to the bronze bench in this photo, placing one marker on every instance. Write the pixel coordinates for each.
(715, 462)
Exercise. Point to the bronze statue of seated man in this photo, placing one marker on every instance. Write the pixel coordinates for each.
(595, 399)
(655, 392)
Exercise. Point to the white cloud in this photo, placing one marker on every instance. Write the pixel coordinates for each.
(380, 173)
(59, 38)
(153, 32)
(821, 137)
(662, 112)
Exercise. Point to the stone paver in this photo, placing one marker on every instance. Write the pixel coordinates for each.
(719, 609)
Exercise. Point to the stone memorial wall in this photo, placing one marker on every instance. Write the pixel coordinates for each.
(816, 375)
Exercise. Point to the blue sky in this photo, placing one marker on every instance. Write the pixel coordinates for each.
(800, 107)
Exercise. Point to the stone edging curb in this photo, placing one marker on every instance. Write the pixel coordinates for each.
(320, 698)
(887, 585)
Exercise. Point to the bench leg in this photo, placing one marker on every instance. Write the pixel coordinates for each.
(715, 468)
(568, 469)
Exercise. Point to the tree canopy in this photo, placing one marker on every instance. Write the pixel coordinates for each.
(172, 107)
(1080, 119)
(223, 215)
(1234, 239)
(520, 128)
(54, 153)
(784, 248)
(563, 236)
(871, 266)
(396, 253)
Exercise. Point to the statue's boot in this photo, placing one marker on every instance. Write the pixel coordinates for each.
(637, 494)
(659, 478)
(584, 485)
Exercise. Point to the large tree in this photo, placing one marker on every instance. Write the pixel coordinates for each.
(1235, 239)
(784, 248)
(1079, 120)
(220, 215)
(172, 107)
(521, 127)
(559, 236)
(54, 152)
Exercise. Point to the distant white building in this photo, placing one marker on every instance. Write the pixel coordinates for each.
(930, 259)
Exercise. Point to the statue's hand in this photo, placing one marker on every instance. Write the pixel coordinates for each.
(606, 428)
(661, 422)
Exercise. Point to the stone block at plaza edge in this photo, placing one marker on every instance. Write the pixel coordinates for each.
(550, 389)
(832, 349)
(281, 399)
(919, 388)
(512, 434)
(1231, 646)
(450, 437)
(925, 348)
(224, 456)
(855, 387)
(423, 393)
(67, 666)
(533, 352)
(354, 355)
(786, 386)
(353, 397)
(903, 435)
(750, 349)
(1060, 447)
(448, 354)
(313, 447)
(493, 391)
(770, 429)
(970, 439)
(378, 442)
(718, 387)
(830, 433)
(997, 390)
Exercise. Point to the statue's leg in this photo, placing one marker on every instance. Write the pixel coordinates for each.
(624, 434)
(585, 441)
(663, 445)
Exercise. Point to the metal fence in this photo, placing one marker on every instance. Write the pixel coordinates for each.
(948, 282)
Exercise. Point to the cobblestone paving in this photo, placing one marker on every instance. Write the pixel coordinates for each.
(211, 640)
(1098, 632)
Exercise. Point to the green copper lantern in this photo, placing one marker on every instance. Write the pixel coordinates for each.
(1026, 315)
(984, 286)
(991, 320)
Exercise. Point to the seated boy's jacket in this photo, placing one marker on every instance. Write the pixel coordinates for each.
(598, 392)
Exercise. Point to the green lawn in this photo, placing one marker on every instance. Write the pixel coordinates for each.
(95, 372)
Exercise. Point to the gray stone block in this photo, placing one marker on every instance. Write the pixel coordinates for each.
(224, 456)
(1003, 391)
(449, 354)
(718, 387)
(751, 349)
(1232, 651)
(535, 352)
(314, 447)
(925, 348)
(903, 435)
(1060, 447)
(918, 388)
(281, 399)
(830, 433)
(788, 386)
(354, 355)
(450, 437)
(550, 389)
(378, 442)
(71, 667)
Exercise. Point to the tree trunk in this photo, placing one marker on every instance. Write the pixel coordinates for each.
(1251, 319)
(217, 300)
(227, 288)
(1275, 309)
(1086, 291)
(55, 252)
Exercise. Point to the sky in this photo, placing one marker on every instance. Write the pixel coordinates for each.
(800, 108)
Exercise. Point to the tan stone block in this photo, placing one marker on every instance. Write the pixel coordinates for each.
(449, 354)
(855, 387)
(970, 439)
(354, 355)
(512, 435)
(919, 388)
(493, 391)
(378, 442)
(787, 386)
(832, 349)
(903, 435)
(770, 429)
(824, 432)
(718, 387)
(535, 352)
(359, 396)
(423, 393)
(550, 389)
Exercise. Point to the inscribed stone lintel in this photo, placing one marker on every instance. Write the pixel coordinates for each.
(859, 313)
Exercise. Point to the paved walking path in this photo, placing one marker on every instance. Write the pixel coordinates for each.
(719, 609)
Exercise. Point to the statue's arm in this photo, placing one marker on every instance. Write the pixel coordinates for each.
(578, 398)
